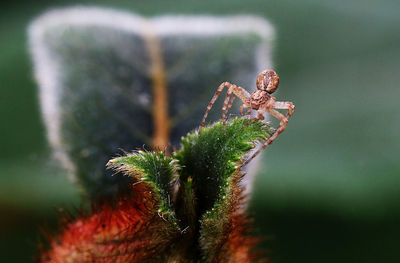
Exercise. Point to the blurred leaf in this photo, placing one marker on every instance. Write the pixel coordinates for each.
(111, 80)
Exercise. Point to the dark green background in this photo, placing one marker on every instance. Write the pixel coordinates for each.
(328, 189)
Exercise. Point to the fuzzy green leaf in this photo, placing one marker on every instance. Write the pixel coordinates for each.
(185, 209)
(153, 168)
(210, 159)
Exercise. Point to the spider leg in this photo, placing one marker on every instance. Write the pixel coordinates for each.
(285, 105)
(269, 105)
(244, 96)
(244, 106)
(231, 102)
(213, 99)
(242, 109)
(229, 107)
(239, 92)
(282, 126)
(260, 116)
(225, 108)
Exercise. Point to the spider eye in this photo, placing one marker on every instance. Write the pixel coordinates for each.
(268, 80)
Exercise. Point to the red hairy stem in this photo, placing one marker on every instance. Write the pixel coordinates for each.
(130, 231)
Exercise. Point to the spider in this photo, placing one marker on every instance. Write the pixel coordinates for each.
(260, 100)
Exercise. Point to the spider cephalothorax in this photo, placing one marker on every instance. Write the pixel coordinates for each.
(260, 100)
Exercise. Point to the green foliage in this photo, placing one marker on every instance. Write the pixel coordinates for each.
(199, 185)
(154, 168)
(210, 159)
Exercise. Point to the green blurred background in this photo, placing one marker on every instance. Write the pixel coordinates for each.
(328, 190)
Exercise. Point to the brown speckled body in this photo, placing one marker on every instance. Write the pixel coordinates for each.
(267, 80)
(258, 98)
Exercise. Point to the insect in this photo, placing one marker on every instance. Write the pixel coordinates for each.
(260, 100)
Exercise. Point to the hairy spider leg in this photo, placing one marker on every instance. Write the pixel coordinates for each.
(243, 95)
(239, 92)
(260, 116)
(225, 107)
(231, 102)
(244, 106)
(227, 110)
(213, 99)
(261, 111)
(282, 126)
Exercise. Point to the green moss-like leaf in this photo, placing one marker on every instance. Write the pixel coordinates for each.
(210, 159)
(154, 168)
(187, 208)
